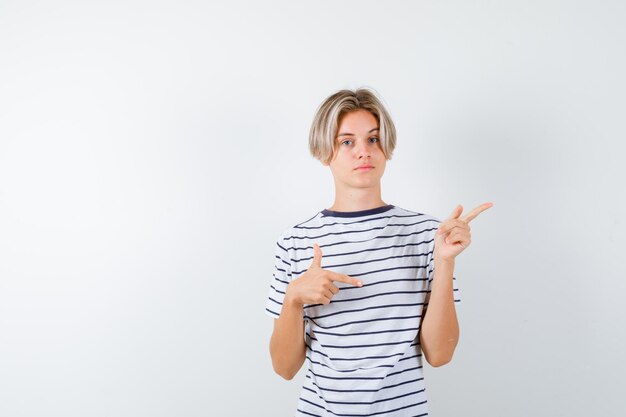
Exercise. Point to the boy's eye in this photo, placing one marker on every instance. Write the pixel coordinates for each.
(349, 141)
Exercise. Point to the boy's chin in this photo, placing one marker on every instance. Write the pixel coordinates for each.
(365, 184)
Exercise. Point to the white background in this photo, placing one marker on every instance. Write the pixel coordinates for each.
(152, 152)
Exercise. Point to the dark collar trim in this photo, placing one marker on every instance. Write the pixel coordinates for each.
(377, 210)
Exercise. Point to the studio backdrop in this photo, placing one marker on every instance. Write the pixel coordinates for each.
(151, 152)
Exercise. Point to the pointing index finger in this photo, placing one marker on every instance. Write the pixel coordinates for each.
(346, 279)
(476, 211)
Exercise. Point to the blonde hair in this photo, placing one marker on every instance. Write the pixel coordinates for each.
(326, 122)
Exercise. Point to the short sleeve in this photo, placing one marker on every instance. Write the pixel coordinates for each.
(281, 277)
(431, 274)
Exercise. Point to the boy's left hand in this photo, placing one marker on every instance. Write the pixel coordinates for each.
(453, 235)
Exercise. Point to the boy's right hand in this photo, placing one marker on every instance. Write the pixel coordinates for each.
(316, 286)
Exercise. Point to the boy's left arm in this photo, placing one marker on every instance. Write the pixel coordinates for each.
(439, 330)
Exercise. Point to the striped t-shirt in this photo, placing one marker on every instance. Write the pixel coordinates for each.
(362, 349)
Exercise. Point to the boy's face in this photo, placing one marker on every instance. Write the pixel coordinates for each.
(358, 161)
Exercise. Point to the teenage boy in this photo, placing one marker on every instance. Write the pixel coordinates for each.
(363, 289)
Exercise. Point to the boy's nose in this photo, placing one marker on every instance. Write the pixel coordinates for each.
(362, 151)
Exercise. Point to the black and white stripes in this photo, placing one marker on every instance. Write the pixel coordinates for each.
(363, 353)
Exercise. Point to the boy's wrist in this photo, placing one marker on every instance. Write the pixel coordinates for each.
(441, 262)
(291, 300)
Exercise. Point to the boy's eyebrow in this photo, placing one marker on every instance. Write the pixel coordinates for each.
(352, 134)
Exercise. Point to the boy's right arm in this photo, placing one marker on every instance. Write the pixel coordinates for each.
(315, 286)
(287, 346)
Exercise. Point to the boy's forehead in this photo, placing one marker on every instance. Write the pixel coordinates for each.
(347, 131)
(360, 121)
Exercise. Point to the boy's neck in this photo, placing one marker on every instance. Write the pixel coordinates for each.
(357, 200)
